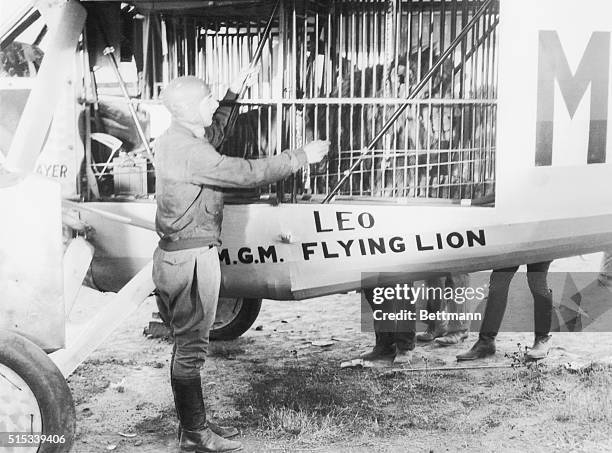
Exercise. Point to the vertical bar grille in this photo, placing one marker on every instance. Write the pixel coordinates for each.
(337, 71)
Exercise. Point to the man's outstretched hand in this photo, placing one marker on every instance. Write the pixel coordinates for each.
(316, 150)
(247, 77)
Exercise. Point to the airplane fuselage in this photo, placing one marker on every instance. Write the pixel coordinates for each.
(298, 251)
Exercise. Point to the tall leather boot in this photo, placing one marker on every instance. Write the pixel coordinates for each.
(196, 436)
(224, 431)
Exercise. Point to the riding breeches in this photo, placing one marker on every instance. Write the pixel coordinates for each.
(188, 284)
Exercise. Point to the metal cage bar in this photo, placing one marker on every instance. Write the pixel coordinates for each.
(338, 71)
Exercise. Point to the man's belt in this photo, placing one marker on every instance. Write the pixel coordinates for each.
(168, 245)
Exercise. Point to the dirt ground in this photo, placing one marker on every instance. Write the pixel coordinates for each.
(285, 394)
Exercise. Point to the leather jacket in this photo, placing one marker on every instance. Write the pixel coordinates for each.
(190, 176)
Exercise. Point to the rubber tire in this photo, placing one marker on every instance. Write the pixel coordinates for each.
(242, 322)
(47, 384)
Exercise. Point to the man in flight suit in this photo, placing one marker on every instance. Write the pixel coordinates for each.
(190, 177)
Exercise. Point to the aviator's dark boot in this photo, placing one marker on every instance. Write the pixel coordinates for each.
(484, 347)
(196, 435)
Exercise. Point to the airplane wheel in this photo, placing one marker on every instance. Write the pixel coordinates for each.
(234, 317)
(35, 401)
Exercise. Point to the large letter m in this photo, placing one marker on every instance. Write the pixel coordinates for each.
(594, 69)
